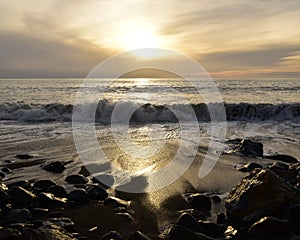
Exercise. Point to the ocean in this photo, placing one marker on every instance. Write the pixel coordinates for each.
(36, 118)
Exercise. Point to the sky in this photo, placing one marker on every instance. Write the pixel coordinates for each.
(68, 38)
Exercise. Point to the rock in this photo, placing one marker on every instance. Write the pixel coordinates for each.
(58, 191)
(294, 214)
(116, 202)
(269, 227)
(76, 179)
(286, 173)
(138, 236)
(220, 218)
(249, 148)
(48, 200)
(2, 175)
(216, 199)
(125, 216)
(10, 234)
(79, 196)
(43, 185)
(195, 213)
(261, 193)
(39, 213)
(63, 222)
(24, 156)
(283, 158)
(23, 183)
(211, 229)
(52, 232)
(180, 233)
(6, 170)
(112, 235)
(4, 197)
(21, 197)
(199, 201)
(96, 192)
(230, 233)
(249, 167)
(186, 220)
(55, 167)
(17, 216)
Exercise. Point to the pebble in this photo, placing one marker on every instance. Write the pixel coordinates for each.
(43, 185)
(79, 196)
(58, 191)
(55, 167)
(76, 179)
(17, 216)
(96, 192)
(48, 200)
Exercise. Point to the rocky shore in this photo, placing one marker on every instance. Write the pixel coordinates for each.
(264, 205)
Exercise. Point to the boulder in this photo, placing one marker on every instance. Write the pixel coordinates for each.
(249, 167)
(76, 179)
(48, 200)
(55, 167)
(186, 220)
(261, 193)
(21, 197)
(249, 148)
(138, 236)
(112, 235)
(24, 156)
(199, 201)
(269, 228)
(17, 216)
(22, 183)
(283, 158)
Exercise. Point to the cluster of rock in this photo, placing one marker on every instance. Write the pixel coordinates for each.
(34, 211)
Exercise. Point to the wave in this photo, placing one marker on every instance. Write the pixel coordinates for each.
(150, 113)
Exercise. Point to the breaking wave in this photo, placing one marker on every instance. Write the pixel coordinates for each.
(150, 113)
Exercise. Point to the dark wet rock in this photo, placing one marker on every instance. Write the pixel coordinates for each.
(294, 218)
(285, 172)
(2, 175)
(195, 213)
(52, 232)
(76, 179)
(216, 199)
(10, 234)
(39, 213)
(55, 167)
(112, 235)
(5, 209)
(116, 202)
(4, 197)
(63, 222)
(48, 200)
(5, 170)
(249, 148)
(106, 180)
(269, 227)
(17, 216)
(211, 229)
(220, 218)
(249, 167)
(96, 192)
(180, 233)
(230, 233)
(261, 193)
(83, 171)
(138, 236)
(24, 156)
(21, 197)
(22, 183)
(79, 196)
(188, 221)
(283, 158)
(58, 191)
(125, 216)
(43, 185)
(199, 201)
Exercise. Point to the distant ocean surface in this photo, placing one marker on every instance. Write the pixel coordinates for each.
(245, 99)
